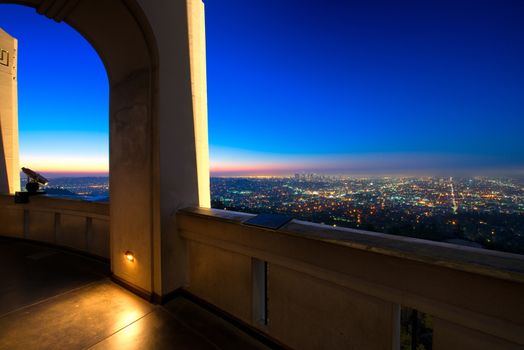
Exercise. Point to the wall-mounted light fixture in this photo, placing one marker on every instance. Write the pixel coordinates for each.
(130, 256)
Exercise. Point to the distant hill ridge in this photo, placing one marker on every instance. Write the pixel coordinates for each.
(55, 191)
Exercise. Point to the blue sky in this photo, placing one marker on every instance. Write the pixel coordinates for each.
(340, 86)
(62, 92)
(441, 79)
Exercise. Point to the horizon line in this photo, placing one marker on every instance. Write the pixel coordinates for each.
(56, 175)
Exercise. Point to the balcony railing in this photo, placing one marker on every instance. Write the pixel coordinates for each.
(78, 225)
(312, 286)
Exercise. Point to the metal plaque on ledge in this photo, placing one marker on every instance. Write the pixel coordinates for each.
(272, 221)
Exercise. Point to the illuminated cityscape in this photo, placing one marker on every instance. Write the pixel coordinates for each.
(475, 211)
(94, 189)
(478, 211)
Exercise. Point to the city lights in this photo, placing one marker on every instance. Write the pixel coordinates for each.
(435, 208)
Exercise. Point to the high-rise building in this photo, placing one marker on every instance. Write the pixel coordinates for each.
(10, 168)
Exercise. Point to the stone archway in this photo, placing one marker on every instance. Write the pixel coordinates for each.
(120, 33)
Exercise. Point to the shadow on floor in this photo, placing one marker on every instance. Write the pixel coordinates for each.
(53, 299)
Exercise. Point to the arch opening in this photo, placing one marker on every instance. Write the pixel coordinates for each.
(122, 37)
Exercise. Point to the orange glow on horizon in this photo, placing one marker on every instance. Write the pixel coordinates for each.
(253, 169)
(254, 165)
(66, 165)
(74, 173)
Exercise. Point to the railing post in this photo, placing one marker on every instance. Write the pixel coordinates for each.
(88, 234)
(58, 228)
(396, 327)
(26, 223)
(414, 329)
(259, 291)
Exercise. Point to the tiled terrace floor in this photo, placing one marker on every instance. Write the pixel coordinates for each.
(52, 299)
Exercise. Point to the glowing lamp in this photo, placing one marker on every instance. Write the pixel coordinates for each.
(130, 256)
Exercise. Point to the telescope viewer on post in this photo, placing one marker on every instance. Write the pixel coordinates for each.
(34, 180)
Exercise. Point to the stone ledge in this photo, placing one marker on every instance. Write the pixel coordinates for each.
(490, 263)
(59, 205)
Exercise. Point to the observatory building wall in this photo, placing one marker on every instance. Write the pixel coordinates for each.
(9, 158)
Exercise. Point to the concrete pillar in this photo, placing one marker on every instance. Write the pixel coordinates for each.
(197, 60)
(178, 27)
(9, 161)
(130, 181)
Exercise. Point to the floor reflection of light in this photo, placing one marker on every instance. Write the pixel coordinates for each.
(129, 316)
(133, 328)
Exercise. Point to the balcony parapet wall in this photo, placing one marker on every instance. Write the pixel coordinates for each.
(340, 288)
(78, 225)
